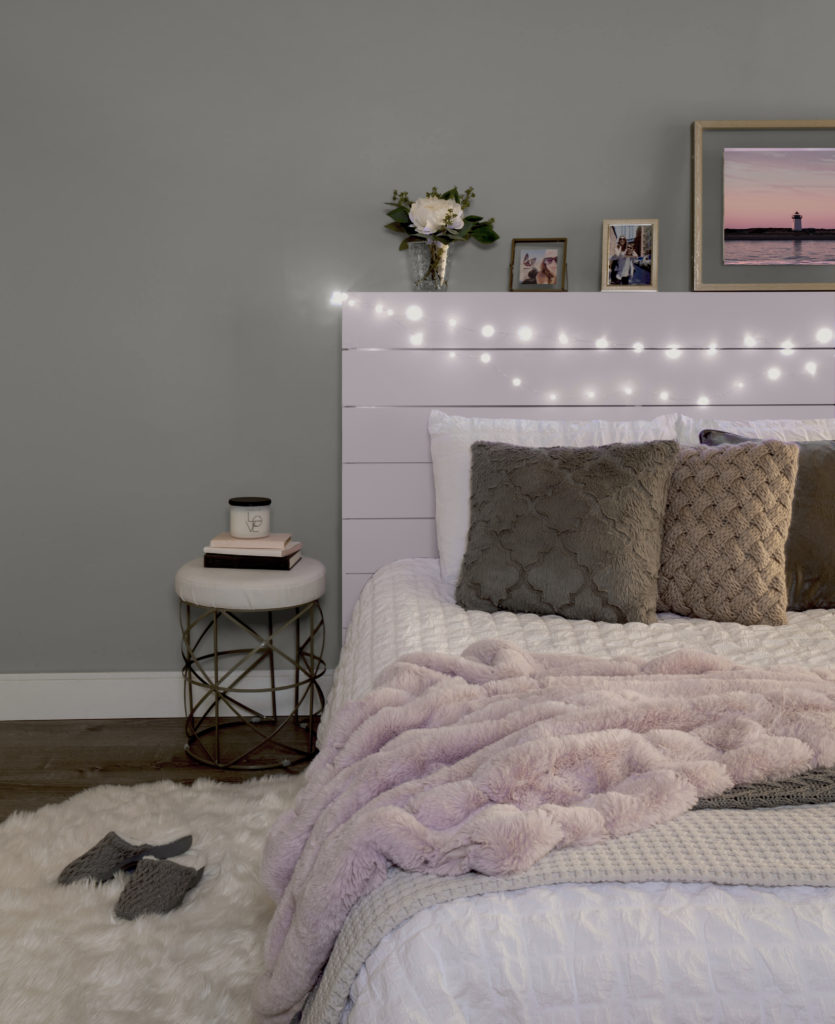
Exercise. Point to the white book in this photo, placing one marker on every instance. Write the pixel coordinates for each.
(254, 552)
(277, 543)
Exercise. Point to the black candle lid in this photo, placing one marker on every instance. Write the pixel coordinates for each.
(250, 501)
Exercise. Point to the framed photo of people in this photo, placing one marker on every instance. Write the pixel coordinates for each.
(630, 255)
(763, 205)
(538, 265)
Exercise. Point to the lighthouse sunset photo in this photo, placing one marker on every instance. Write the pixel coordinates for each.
(779, 206)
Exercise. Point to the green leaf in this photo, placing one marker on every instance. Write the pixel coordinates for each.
(400, 215)
(395, 227)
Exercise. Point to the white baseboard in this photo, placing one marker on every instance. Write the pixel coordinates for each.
(52, 695)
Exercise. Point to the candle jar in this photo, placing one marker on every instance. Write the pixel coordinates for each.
(249, 517)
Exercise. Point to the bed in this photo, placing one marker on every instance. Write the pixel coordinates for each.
(714, 914)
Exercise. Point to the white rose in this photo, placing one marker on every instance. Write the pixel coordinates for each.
(428, 214)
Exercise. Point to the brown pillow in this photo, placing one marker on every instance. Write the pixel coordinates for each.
(810, 547)
(728, 513)
(566, 531)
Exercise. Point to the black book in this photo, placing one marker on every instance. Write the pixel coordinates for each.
(224, 561)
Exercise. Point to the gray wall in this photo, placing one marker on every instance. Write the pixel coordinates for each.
(184, 182)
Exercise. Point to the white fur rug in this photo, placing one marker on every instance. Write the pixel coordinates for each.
(64, 956)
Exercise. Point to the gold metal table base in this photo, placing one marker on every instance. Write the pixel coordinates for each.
(223, 729)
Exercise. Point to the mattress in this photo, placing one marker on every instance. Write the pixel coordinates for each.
(607, 952)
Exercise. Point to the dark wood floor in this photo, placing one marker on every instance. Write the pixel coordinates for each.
(43, 762)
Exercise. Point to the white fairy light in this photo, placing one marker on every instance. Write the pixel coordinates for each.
(638, 346)
(811, 368)
(414, 313)
(379, 308)
(525, 333)
(352, 302)
(590, 394)
(338, 298)
(664, 396)
(824, 335)
(739, 384)
(452, 355)
(389, 312)
(628, 389)
(552, 397)
(452, 322)
(485, 357)
(787, 347)
(488, 330)
(749, 341)
(673, 352)
(712, 348)
(562, 338)
(417, 338)
(703, 400)
(601, 343)
(774, 373)
(516, 382)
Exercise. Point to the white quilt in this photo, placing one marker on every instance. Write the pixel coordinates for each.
(590, 954)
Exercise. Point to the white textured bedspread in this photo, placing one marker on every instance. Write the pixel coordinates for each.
(407, 607)
(603, 953)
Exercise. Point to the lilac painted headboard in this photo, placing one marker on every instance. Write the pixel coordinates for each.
(587, 355)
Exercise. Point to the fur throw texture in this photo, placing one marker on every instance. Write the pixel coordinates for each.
(488, 760)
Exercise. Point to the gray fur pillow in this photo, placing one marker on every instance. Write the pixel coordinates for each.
(566, 531)
(728, 515)
(810, 547)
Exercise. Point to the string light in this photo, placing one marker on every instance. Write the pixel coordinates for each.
(552, 397)
(664, 396)
(787, 346)
(416, 339)
(749, 341)
(824, 335)
(562, 338)
(638, 346)
(773, 373)
(488, 330)
(517, 381)
(673, 352)
(414, 313)
(703, 400)
(485, 357)
(525, 333)
(338, 298)
(452, 322)
(811, 368)
(601, 343)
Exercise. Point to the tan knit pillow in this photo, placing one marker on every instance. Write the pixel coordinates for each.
(728, 514)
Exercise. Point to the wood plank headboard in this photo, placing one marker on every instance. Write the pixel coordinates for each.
(588, 355)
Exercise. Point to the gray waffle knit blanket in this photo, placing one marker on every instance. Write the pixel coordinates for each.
(770, 847)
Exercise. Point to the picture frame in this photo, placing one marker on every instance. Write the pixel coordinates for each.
(629, 255)
(538, 264)
(710, 271)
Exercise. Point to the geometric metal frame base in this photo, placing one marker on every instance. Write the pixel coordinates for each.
(217, 678)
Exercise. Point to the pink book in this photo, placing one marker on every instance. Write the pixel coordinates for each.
(274, 542)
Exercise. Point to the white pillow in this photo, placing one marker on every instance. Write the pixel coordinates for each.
(772, 430)
(450, 438)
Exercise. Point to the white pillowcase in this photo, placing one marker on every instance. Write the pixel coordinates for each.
(772, 430)
(450, 439)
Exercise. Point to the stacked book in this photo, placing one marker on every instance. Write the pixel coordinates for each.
(275, 551)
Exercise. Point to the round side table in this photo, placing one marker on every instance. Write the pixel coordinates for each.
(232, 622)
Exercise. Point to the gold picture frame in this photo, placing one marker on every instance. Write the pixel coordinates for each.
(709, 141)
(538, 264)
(629, 255)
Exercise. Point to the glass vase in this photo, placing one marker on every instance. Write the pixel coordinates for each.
(429, 264)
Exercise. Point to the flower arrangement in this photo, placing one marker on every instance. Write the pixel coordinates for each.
(438, 217)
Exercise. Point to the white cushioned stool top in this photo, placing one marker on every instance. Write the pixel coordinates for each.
(250, 589)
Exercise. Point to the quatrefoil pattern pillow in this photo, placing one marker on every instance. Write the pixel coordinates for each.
(728, 515)
(566, 531)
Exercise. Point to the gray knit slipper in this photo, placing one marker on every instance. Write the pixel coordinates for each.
(156, 887)
(111, 854)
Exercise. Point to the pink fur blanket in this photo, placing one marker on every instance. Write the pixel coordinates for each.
(488, 760)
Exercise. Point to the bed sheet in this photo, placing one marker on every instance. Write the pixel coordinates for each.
(608, 952)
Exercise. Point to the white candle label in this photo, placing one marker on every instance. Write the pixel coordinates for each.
(249, 522)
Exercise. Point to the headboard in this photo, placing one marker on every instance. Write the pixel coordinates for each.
(588, 355)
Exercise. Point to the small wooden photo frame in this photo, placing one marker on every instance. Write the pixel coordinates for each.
(630, 255)
(538, 265)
